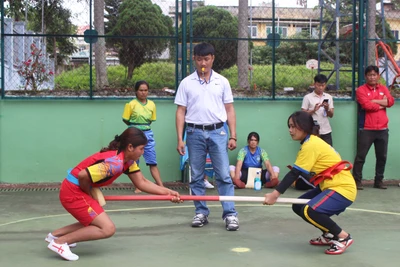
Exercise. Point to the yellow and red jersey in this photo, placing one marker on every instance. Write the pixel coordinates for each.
(104, 167)
(315, 156)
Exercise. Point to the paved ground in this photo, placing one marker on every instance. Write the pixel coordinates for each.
(158, 233)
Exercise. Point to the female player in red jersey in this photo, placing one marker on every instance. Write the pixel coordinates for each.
(97, 170)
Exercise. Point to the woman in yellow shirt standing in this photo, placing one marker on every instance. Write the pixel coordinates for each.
(140, 113)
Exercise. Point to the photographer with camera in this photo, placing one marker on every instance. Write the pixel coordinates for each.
(320, 105)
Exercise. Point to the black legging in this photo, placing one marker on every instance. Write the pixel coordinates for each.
(319, 220)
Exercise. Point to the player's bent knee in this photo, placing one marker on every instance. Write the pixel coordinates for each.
(109, 231)
(298, 209)
(105, 224)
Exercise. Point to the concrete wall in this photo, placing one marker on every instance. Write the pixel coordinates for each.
(41, 139)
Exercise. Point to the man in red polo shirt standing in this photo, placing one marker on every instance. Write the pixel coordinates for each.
(373, 100)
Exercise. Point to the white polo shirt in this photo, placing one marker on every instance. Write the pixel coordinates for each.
(309, 102)
(204, 102)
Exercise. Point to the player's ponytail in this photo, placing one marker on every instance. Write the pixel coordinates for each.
(113, 145)
(132, 136)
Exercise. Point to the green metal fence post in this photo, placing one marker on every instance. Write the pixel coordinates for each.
(361, 44)
(353, 53)
(273, 50)
(177, 80)
(2, 50)
(90, 54)
(191, 36)
(184, 39)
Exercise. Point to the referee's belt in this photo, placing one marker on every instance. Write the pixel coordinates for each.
(206, 127)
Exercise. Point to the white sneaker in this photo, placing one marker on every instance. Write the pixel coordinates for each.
(208, 185)
(231, 223)
(63, 250)
(50, 238)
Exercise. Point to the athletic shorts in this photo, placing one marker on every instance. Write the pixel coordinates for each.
(149, 154)
(82, 206)
(328, 202)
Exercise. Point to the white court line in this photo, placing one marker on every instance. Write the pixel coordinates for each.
(179, 207)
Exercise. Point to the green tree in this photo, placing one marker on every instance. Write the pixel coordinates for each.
(111, 15)
(111, 7)
(396, 3)
(215, 25)
(56, 21)
(346, 47)
(15, 9)
(288, 52)
(140, 23)
(346, 7)
(297, 52)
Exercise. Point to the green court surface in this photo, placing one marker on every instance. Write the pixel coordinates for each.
(159, 233)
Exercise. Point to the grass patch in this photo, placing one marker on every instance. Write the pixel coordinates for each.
(298, 77)
(162, 74)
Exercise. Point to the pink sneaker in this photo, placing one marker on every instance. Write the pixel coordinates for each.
(323, 240)
(339, 246)
(50, 237)
(63, 250)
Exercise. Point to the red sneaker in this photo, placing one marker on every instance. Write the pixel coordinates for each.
(339, 246)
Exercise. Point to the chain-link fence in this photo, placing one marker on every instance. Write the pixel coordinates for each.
(272, 49)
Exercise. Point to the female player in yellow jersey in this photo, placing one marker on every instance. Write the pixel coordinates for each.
(141, 113)
(335, 187)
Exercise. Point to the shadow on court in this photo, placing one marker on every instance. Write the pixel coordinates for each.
(159, 233)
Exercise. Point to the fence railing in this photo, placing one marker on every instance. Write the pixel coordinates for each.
(268, 51)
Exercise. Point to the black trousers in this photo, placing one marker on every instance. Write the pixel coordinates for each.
(327, 138)
(245, 172)
(365, 139)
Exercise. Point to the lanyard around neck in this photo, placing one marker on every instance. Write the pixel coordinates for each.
(205, 80)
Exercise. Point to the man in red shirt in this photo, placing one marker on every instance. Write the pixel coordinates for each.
(373, 99)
